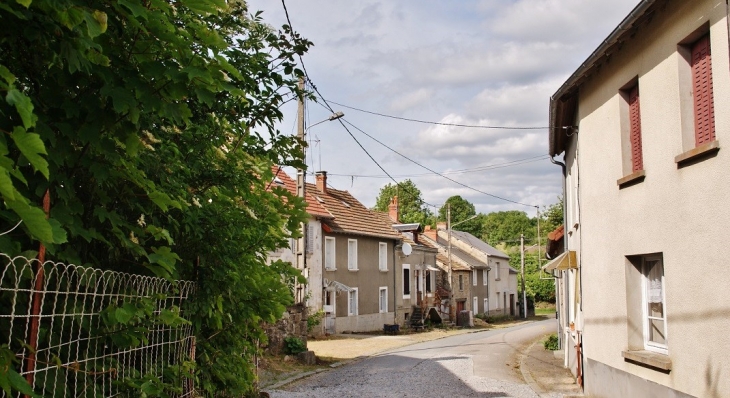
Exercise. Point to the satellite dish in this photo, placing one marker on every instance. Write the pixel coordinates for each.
(407, 249)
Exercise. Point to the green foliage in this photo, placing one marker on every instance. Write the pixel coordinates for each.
(552, 217)
(551, 343)
(294, 345)
(537, 289)
(10, 379)
(506, 227)
(411, 208)
(314, 320)
(151, 125)
(462, 209)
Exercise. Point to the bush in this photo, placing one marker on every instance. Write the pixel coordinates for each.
(294, 345)
(551, 343)
(314, 320)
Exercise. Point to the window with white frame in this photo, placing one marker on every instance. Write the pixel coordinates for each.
(484, 277)
(406, 281)
(352, 302)
(430, 281)
(474, 277)
(496, 271)
(486, 306)
(475, 304)
(383, 300)
(383, 256)
(329, 253)
(655, 320)
(352, 254)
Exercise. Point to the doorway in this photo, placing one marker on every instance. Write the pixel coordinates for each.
(512, 304)
(329, 311)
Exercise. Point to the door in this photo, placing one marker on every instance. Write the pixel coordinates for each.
(512, 304)
(329, 312)
(459, 306)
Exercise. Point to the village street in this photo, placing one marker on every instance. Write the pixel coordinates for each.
(473, 364)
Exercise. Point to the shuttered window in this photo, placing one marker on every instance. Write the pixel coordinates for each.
(704, 104)
(637, 161)
(352, 254)
(310, 238)
(329, 253)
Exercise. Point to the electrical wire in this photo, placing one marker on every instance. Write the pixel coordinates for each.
(441, 123)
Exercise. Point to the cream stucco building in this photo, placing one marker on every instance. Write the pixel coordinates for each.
(641, 126)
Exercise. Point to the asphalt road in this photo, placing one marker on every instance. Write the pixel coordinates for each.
(481, 364)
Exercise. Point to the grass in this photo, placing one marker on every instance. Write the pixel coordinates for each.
(544, 311)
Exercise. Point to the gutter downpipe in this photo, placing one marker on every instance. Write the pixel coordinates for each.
(395, 282)
(565, 248)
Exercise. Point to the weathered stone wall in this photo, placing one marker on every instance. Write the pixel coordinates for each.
(292, 323)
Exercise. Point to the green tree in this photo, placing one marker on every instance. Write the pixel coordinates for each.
(151, 126)
(411, 207)
(537, 288)
(552, 216)
(507, 226)
(462, 209)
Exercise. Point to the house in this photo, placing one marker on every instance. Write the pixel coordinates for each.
(312, 293)
(358, 260)
(418, 280)
(643, 281)
(483, 280)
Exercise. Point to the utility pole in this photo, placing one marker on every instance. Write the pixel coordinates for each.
(451, 273)
(301, 188)
(522, 261)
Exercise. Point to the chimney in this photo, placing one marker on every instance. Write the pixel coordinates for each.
(321, 177)
(393, 209)
(431, 233)
(441, 225)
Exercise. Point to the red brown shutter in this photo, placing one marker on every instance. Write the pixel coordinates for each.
(702, 89)
(637, 160)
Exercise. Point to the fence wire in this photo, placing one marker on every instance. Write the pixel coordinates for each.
(84, 332)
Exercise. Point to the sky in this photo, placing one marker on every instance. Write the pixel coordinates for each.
(467, 62)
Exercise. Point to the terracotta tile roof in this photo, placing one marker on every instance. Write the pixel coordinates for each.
(350, 216)
(314, 207)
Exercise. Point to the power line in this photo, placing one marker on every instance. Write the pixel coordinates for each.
(441, 123)
(453, 172)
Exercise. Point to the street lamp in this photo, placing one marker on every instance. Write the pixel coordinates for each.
(451, 273)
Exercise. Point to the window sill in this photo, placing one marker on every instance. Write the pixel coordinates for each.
(383, 270)
(406, 297)
(631, 179)
(649, 359)
(353, 269)
(330, 269)
(700, 153)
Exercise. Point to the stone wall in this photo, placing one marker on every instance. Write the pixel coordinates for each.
(292, 323)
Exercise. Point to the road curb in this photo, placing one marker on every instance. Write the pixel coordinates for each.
(526, 373)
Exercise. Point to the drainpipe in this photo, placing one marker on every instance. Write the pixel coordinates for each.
(395, 304)
(565, 248)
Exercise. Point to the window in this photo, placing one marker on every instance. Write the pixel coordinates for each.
(632, 165)
(461, 282)
(474, 277)
(637, 161)
(486, 306)
(310, 238)
(484, 277)
(646, 303)
(702, 93)
(352, 254)
(406, 281)
(383, 256)
(383, 300)
(475, 304)
(655, 320)
(496, 271)
(329, 253)
(352, 302)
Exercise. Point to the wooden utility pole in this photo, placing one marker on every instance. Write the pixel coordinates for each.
(522, 261)
(301, 190)
(452, 315)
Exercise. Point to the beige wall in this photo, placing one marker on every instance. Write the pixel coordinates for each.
(417, 261)
(681, 213)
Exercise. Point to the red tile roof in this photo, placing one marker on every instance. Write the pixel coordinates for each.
(351, 216)
(314, 208)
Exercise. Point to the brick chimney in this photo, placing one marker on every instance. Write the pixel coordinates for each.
(393, 209)
(431, 233)
(321, 177)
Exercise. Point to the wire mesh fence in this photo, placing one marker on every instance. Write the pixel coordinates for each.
(83, 332)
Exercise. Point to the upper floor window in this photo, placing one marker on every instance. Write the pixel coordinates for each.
(383, 256)
(461, 282)
(637, 159)
(496, 271)
(329, 253)
(352, 254)
(484, 277)
(474, 277)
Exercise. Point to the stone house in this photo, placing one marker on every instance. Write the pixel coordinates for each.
(639, 125)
